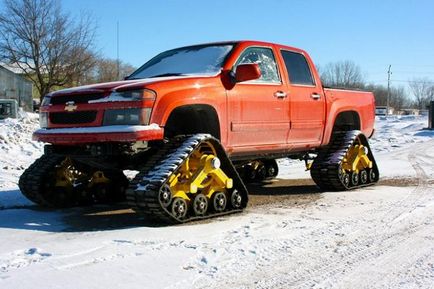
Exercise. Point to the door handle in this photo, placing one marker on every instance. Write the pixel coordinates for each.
(315, 96)
(280, 94)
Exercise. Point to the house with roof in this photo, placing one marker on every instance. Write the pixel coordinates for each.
(15, 86)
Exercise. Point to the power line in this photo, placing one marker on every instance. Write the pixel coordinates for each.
(415, 81)
(415, 72)
(397, 80)
(413, 65)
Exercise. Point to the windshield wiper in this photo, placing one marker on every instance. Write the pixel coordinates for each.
(166, 74)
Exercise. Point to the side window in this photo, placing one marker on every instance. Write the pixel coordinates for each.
(265, 59)
(297, 67)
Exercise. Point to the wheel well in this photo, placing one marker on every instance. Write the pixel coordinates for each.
(347, 120)
(191, 119)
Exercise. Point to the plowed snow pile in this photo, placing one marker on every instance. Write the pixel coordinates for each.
(376, 237)
(17, 152)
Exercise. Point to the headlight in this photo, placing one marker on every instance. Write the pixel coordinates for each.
(141, 94)
(127, 116)
(43, 119)
(46, 101)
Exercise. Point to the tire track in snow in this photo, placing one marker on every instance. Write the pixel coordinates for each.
(398, 208)
(407, 259)
(375, 241)
(116, 249)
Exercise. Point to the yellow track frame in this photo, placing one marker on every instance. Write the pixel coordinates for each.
(356, 159)
(201, 171)
(67, 174)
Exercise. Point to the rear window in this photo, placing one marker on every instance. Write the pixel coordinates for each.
(297, 67)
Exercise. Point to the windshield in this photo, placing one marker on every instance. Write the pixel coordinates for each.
(201, 59)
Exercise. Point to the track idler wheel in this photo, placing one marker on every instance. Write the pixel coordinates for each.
(345, 179)
(354, 178)
(372, 176)
(179, 208)
(165, 195)
(363, 177)
(200, 205)
(219, 201)
(236, 199)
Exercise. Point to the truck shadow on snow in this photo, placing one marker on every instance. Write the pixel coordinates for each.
(283, 187)
(85, 219)
(301, 192)
(121, 216)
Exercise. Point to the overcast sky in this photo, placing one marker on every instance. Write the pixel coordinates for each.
(373, 34)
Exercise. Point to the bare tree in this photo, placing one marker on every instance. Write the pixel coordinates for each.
(423, 91)
(106, 70)
(49, 46)
(398, 96)
(343, 74)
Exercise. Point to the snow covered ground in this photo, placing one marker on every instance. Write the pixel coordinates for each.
(377, 237)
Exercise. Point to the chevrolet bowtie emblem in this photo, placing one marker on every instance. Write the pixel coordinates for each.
(70, 106)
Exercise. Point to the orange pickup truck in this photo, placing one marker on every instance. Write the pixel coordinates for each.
(197, 122)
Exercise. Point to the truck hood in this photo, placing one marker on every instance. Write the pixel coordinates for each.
(106, 88)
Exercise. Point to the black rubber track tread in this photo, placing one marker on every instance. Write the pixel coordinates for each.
(31, 182)
(325, 168)
(143, 190)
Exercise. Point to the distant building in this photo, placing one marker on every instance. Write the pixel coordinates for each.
(15, 86)
(412, 111)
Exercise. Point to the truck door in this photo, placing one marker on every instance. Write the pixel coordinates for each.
(307, 102)
(258, 111)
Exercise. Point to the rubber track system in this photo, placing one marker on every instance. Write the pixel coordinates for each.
(33, 181)
(144, 189)
(37, 184)
(326, 170)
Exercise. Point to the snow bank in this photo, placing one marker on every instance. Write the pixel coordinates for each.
(17, 150)
(394, 132)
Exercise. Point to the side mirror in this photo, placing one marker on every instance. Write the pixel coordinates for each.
(247, 72)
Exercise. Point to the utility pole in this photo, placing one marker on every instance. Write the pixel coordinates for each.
(117, 51)
(389, 73)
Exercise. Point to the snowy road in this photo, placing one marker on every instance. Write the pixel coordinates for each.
(290, 237)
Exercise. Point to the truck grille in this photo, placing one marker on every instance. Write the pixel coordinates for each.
(75, 98)
(73, 117)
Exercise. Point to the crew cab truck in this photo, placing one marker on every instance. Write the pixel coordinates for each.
(197, 122)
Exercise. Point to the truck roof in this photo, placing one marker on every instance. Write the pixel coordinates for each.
(248, 42)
